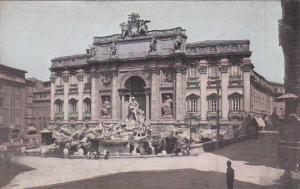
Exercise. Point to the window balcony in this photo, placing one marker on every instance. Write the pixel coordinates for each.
(73, 90)
(239, 115)
(73, 116)
(235, 77)
(59, 116)
(213, 78)
(59, 91)
(235, 81)
(213, 83)
(87, 88)
(73, 85)
(59, 86)
(211, 115)
(193, 82)
(87, 116)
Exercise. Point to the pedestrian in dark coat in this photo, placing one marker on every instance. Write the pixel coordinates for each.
(229, 175)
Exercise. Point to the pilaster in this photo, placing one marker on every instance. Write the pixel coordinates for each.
(203, 85)
(95, 96)
(155, 95)
(180, 93)
(66, 95)
(115, 96)
(246, 68)
(80, 77)
(52, 93)
(224, 89)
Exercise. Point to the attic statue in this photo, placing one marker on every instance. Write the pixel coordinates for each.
(178, 43)
(152, 46)
(134, 27)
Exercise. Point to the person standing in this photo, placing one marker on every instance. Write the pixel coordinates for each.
(229, 175)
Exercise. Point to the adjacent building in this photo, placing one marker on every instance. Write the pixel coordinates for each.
(170, 78)
(12, 104)
(37, 109)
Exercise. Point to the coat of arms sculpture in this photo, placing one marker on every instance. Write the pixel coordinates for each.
(134, 27)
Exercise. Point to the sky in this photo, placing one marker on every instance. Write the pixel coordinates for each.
(32, 33)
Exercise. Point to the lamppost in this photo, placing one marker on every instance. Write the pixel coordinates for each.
(218, 86)
(189, 118)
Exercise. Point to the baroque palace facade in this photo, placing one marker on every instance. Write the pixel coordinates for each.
(168, 77)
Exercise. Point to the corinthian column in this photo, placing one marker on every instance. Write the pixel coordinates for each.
(66, 95)
(155, 96)
(180, 93)
(95, 96)
(115, 96)
(246, 67)
(52, 93)
(203, 85)
(80, 77)
(224, 88)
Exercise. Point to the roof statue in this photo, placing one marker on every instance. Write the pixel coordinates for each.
(134, 27)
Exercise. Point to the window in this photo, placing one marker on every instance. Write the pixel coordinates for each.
(58, 81)
(236, 101)
(212, 105)
(213, 71)
(73, 106)
(29, 112)
(192, 105)
(29, 99)
(235, 104)
(193, 72)
(234, 71)
(87, 105)
(73, 80)
(59, 106)
(213, 102)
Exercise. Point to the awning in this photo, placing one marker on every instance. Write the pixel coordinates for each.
(260, 122)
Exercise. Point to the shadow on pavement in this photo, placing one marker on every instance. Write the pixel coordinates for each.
(171, 179)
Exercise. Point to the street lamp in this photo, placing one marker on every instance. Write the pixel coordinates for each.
(190, 118)
(218, 86)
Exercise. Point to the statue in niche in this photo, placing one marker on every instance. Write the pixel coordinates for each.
(136, 116)
(106, 107)
(133, 106)
(152, 47)
(113, 49)
(178, 43)
(167, 109)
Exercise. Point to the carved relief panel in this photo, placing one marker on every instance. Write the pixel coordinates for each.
(105, 80)
(167, 78)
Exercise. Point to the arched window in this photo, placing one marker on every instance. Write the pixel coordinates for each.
(72, 106)
(192, 103)
(236, 102)
(87, 105)
(59, 106)
(213, 102)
